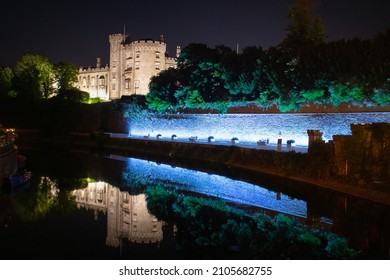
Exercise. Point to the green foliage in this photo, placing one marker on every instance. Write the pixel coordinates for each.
(49, 196)
(314, 95)
(211, 226)
(194, 98)
(381, 97)
(93, 100)
(34, 77)
(6, 76)
(302, 69)
(65, 75)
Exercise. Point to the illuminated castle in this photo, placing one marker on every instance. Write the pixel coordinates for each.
(132, 65)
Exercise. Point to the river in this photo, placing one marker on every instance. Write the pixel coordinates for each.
(87, 206)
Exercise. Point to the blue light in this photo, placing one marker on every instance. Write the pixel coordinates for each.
(252, 127)
(216, 186)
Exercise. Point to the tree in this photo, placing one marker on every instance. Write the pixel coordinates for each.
(65, 75)
(6, 76)
(306, 28)
(162, 89)
(34, 77)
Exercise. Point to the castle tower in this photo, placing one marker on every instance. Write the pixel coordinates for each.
(149, 60)
(116, 64)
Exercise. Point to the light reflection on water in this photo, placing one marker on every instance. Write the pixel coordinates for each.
(217, 186)
(252, 127)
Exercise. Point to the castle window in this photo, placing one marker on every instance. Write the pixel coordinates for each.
(127, 83)
(113, 86)
(137, 54)
(101, 80)
(157, 55)
(157, 65)
(137, 65)
(84, 82)
(136, 84)
(113, 75)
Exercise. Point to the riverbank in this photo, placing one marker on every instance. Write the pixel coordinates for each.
(294, 166)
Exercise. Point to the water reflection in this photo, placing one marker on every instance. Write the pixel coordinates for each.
(213, 185)
(127, 215)
(66, 215)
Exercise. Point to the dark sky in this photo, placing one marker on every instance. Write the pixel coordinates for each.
(77, 31)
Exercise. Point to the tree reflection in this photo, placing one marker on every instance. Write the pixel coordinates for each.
(210, 227)
(47, 196)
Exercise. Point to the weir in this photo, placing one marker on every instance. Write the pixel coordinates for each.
(250, 128)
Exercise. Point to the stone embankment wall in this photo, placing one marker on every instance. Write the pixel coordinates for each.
(364, 155)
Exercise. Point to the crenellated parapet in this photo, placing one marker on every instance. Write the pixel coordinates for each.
(87, 70)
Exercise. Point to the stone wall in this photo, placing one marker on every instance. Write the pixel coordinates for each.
(364, 155)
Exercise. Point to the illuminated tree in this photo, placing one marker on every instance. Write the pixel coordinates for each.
(6, 76)
(65, 75)
(162, 90)
(34, 77)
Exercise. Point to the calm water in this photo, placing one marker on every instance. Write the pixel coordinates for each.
(85, 206)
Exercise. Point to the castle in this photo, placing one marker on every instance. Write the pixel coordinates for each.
(127, 215)
(132, 65)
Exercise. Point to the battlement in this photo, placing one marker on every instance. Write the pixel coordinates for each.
(171, 59)
(93, 69)
(118, 35)
(148, 41)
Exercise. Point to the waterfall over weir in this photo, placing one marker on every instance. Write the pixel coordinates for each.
(252, 127)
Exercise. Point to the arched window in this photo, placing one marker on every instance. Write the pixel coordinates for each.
(127, 83)
(101, 81)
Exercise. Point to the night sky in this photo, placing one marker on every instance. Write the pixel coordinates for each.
(77, 31)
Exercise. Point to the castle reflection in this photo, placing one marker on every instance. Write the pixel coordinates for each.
(127, 215)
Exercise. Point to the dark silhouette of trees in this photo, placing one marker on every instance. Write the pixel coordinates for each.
(6, 77)
(305, 28)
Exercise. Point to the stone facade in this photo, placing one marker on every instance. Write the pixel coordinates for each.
(95, 81)
(132, 65)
